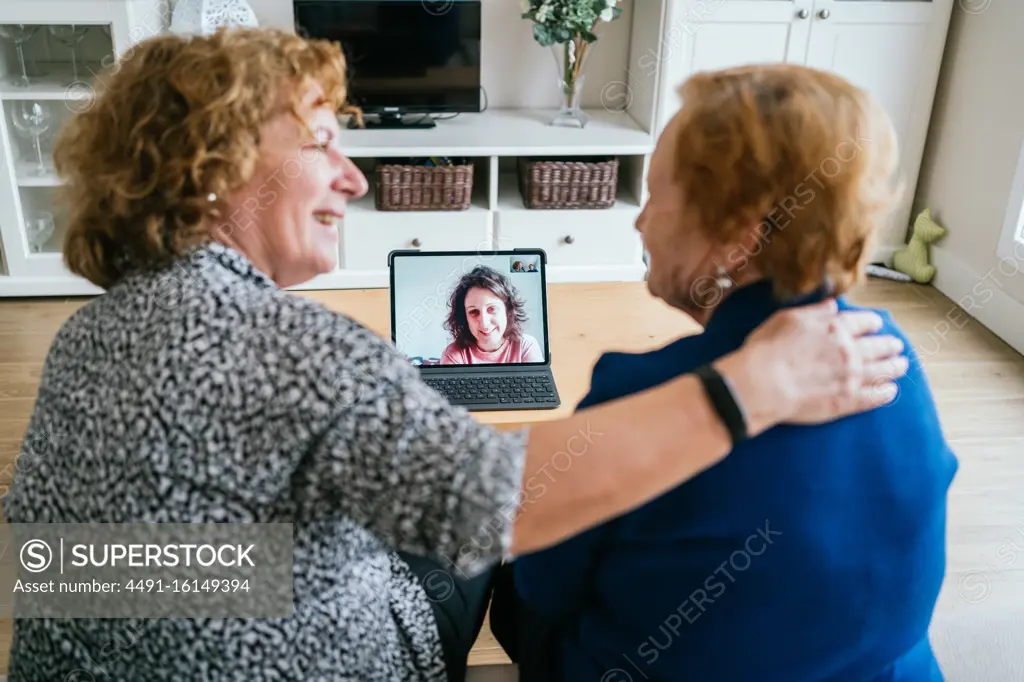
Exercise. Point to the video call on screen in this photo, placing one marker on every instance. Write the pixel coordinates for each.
(477, 309)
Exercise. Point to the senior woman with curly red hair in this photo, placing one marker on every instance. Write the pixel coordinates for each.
(196, 389)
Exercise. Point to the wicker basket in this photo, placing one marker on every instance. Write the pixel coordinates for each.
(588, 182)
(411, 187)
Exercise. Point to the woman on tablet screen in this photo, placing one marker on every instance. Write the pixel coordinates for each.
(485, 318)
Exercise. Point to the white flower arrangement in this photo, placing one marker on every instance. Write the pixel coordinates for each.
(570, 23)
(561, 21)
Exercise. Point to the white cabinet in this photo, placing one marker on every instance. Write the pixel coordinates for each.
(720, 34)
(737, 33)
(891, 49)
(604, 238)
(884, 57)
(369, 236)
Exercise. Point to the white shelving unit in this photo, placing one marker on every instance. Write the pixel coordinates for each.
(583, 245)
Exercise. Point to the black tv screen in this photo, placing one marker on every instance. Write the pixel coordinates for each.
(403, 55)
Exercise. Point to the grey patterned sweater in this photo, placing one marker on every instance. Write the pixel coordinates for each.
(204, 393)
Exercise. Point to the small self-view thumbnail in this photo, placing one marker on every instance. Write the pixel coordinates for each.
(524, 264)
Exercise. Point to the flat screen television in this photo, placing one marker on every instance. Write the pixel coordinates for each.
(404, 56)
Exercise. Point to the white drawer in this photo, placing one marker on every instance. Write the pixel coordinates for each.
(368, 237)
(584, 237)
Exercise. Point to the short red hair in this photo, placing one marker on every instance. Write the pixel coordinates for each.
(803, 151)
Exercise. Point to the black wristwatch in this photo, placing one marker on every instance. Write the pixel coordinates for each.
(723, 399)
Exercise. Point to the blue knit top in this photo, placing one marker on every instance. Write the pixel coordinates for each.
(809, 554)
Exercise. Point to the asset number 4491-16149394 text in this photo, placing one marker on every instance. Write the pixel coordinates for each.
(194, 585)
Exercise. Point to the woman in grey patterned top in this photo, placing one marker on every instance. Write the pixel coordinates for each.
(204, 180)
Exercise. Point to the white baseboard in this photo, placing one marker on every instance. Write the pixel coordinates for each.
(980, 294)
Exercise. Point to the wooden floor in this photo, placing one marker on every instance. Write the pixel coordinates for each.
(978, 382)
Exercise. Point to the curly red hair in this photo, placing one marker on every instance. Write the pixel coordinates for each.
(175, 120)
(804, 152)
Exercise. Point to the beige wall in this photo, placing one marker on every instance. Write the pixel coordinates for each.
(970, 163)
(977, 130)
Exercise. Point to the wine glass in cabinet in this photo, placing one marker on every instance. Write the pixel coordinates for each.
(33, 120)
(19, 34)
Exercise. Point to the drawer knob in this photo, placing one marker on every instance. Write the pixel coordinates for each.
(824, 14)
(416, 241)
(803, 13)
(569, 239)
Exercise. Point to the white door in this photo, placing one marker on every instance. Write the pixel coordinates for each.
(717, 34)
(888, 49)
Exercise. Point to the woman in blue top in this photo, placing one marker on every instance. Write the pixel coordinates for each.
(810, 554)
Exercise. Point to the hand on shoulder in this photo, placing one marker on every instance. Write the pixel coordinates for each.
(813, 364)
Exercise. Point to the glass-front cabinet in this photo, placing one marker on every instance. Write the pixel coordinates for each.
(49, 71)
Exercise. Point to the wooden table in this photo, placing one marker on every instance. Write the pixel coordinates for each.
(585, 320)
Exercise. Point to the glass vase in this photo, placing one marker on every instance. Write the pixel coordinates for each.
(569, 60)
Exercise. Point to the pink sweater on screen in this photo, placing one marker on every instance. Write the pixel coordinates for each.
(525, 350)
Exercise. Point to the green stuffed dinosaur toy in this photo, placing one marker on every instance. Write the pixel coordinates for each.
(913, 260)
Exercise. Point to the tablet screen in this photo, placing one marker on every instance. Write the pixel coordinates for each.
(473, 308)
